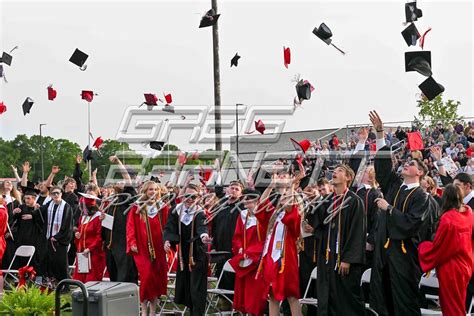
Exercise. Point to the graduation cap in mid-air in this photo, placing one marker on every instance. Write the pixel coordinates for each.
(235, 60)
(79, 58)
(30, 189)
(7, 59)
(324, 33)
(208, 19)
(98, 142)
(286, 56)
(87, 154)
(150, 101)
(419, 61)
(410, 34)
(412, 13)
(157, 145)
(301, 146)
(27, 105)
(168, 98)
(303, 91)
(259, 127)
(88, 95)
(3, 108)
(430, 88)
(52, 93)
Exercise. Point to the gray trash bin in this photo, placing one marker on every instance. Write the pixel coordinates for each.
(108, 298)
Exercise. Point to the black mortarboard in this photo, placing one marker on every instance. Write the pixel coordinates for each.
(235, 60)
(430, 88)
(27, 105)
(323, 32)
(79, 58)
(303, 90)
(7, 59)
(30, 189)
(411, 34)
(208, 19)
(157, 145)
(412, 13)
(419, 61)
(87, 154)
(251, 194)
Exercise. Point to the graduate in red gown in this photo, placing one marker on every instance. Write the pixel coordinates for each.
(450, 253)
(247, 246)
(88, 240)
(145, 224)
(278, 268)
(3, 230)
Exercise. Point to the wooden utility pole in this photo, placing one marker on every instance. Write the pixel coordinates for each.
(217, 81)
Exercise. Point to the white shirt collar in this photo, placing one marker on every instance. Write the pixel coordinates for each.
(468, 197)
(366, 186)
(411, 185)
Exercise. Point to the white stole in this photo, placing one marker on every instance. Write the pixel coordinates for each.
(278, 240)
(251, 220)
(57, 220)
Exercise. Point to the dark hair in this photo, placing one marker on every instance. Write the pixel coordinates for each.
(422, 166)
(192, 187)
(322, 181)
(464, 178)
(452, 198)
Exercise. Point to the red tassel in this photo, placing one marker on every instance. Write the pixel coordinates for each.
(422, 39)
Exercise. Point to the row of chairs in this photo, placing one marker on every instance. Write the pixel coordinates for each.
(427, 280)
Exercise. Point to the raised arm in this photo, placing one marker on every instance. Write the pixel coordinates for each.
(15, 173)
(78, 173)
(54, 171)
(26, 170)
(123, 170)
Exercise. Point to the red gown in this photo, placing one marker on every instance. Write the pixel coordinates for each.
(91, 238)
(245, 300)
(3, 230)
(450, 253)
(153, 275)
(281, 275)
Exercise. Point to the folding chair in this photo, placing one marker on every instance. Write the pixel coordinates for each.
(22, 251)
(217, 292)
(430, 280)
(365, 279)
(310, 300)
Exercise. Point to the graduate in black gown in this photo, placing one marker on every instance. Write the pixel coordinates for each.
(56, 220)
(395, 272)
(187, 228)
(340, 223)
(28, 231)
(121, 267)
(224, 219)
(69, 185)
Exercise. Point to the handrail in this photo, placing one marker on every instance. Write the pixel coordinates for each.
(85, 295)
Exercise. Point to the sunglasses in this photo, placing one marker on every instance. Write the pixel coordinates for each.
(190, 196)
(55, 193)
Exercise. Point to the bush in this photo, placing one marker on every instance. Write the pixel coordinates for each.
(30, 301)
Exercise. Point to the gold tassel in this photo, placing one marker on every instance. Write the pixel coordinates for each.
(387, 243)
(404, 250)
(282, 265)
(427, 275)
(191, 264)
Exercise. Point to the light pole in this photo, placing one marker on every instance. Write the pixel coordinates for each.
(41, 150)
(217, 80)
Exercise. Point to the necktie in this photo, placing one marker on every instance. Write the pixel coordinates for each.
(55, 207)
(403, 187)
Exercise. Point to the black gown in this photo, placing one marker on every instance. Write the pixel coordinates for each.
(121, 267)
(28, 233)
(341, 295)
(396, 272)
(73, 201)
(308, 255)
(191, 286)
(223, 228)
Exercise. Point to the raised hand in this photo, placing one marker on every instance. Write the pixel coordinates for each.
(78, 159)
(15, 170)
(376, 121)
(26, 167)
(363, 134)
(94, 173)
(114, 159)
(436, 153)
(55, 169)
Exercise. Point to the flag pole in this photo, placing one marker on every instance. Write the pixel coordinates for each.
(89, 162)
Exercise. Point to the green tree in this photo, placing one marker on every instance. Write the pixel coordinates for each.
(438, 111)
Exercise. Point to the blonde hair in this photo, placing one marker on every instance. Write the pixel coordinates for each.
(93, 187)
(144, 198)
(371, 176)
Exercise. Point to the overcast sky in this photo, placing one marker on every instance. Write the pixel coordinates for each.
(138, 47)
